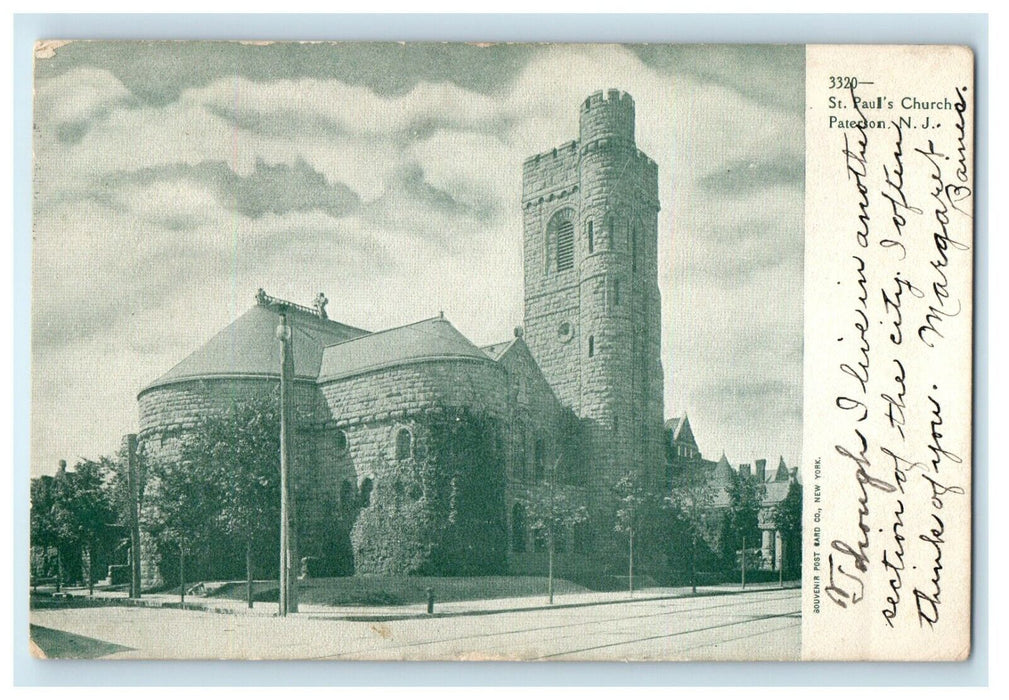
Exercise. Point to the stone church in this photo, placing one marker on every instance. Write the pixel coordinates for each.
(571, 403)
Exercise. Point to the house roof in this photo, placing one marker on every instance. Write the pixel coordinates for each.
(782, 472)
(248, 346)
(429, 339)
(775, 491)
(723, 471)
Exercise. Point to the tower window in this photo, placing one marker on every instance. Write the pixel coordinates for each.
(565, 246)
(592, 238)
(560, 240)
(592, 345)
(565, 332)
(616, 292)
(404, 444)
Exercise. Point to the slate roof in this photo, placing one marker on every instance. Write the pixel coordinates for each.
(723, 471)
(248, 346)
(428, 339)
(782, 472)
(775, 491)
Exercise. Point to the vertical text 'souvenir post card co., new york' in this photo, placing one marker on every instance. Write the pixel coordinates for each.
(452, 351)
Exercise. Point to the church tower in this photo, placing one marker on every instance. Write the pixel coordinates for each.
(592, 306)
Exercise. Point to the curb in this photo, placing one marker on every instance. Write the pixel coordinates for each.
(88, 601)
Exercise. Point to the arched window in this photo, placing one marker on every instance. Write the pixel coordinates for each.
(367, 486)
(404, 444)
(347, 494)
(339, 442)
(538, 456)
(561, 231)
(592, 237)
(616, 292)
(592, 345)
(518, 528)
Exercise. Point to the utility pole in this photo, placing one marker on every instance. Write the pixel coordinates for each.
(133, 484)
(743, 563)
(550, 551)
(630, 562)
(287, 598)
(781, 565)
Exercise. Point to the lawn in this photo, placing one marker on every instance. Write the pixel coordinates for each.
(403, 590)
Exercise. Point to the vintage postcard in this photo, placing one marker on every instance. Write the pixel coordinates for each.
(418, 351)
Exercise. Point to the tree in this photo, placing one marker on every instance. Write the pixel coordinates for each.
(632, 502)
(788, 520)
(741, 522)
(241, 448)
(45, 520)
(184, 506)
(554, 513)
(71, 512)
(223, 486)
(91, 506)
(692, 498)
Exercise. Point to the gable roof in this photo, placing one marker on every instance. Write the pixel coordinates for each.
(433, 338)
(680, 431)
(496, 351)
(723, 472)
(782, 473)
(248, 346)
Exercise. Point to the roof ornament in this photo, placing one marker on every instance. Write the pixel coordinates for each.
(320, 305)
(282, 305)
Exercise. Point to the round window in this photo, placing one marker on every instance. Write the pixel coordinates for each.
(565, 332)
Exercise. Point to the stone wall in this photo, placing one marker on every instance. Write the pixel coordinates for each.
(170, 411)
(360, 449)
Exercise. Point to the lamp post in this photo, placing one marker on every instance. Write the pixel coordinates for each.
(284, 336)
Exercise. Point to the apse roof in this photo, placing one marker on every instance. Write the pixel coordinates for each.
(248, 346)
(429, 339)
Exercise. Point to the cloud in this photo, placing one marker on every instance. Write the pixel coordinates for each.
(73, 101)
(276, 189)
(743, 176)
(181, 177)
(411, 182)
(763, 73)
(158, 72)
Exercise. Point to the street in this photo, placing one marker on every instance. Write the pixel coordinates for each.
(758, 625)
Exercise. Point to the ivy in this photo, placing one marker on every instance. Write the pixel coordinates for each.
(441, 511)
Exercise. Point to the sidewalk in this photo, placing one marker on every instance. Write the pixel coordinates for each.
(79, 597)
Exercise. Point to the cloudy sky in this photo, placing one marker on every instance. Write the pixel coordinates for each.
(174, 179)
